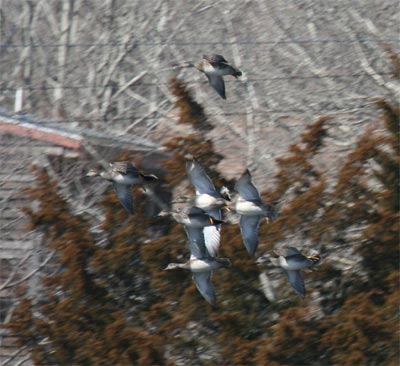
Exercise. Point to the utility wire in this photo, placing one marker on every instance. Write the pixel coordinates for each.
(195, 43)
(277, 78)
(227, 114)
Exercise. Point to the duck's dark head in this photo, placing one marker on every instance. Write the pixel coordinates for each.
(314, 257)
(225, 262)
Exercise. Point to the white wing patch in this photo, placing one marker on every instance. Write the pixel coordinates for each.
(212, 237)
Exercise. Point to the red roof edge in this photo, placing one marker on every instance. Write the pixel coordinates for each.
(37, 132)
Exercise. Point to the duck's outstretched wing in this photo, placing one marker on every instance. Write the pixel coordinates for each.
(249, 229)
(124, 194)
(199, 178)
(212, 238)
(296, 281)
(212, 234)
(205, 286)
(217, 82)
(124, 167)
(246, 189)
(196, 244)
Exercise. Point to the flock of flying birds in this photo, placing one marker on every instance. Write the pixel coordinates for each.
(203, 218)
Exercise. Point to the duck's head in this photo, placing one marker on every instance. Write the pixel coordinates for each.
(272, 213)
(314, 256)
(225, 262)
(175, 266)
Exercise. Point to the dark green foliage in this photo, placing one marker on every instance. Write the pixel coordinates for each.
(111, 303)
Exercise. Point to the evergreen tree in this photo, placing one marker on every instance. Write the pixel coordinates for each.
(362, 330)
(78, 318)
(110, 302)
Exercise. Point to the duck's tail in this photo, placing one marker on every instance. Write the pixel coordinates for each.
(177, 66)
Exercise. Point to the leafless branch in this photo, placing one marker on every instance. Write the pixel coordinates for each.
(14, 355)
(15, 271)
(30, 274)
(252, 104)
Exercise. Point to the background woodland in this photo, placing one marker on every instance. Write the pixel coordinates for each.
(316, 120)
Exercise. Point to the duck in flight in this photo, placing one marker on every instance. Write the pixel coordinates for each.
(208, 199)
(201, 262)
(124, 175)
(215, 67)
(251, 210)
(292, 264)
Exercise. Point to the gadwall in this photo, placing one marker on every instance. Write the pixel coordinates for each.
(292, 264)
(194, 221)
(124, 175)
(193, 217)
(251, 210)
(208, 199)
(215, 67)
(201, 263)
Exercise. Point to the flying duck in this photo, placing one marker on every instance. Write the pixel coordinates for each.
(208, 199)
(292, 264)
(201, 263)
(124, 175)
(214, 67)
(251, 210)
